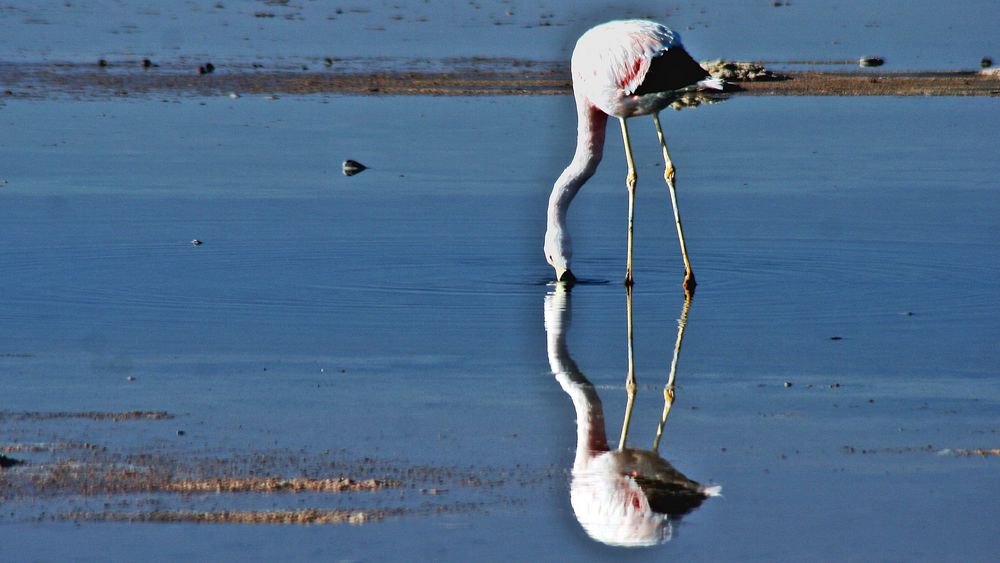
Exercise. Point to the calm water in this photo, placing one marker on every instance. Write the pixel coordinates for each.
(910, 34)
(847, 246)
(399, 313)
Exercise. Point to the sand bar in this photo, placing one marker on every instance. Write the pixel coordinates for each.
(468, 77)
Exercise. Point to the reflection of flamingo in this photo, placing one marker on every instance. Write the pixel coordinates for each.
(624, 497)
(624, 69)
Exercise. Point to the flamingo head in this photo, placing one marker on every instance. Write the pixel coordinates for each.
(558, 251)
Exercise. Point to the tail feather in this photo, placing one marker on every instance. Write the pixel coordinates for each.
(712, 491)
(711, 83)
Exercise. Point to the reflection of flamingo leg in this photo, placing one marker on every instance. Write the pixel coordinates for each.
(656, 494)
(668, 389)
(630, 386)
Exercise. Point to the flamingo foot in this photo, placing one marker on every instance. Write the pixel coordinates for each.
(689, 283)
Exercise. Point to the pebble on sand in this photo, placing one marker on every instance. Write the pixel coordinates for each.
(352, 167)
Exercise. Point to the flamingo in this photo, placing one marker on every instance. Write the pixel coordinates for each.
(623, 69)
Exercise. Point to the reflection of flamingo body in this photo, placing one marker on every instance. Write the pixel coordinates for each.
(624, 497)
(620, 68)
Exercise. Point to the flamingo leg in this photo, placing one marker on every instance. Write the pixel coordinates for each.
(669, 173)
(668, 389)
(630, 180)
(630, 386)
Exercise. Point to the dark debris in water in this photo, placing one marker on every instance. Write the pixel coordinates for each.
(6, 462)
(871, 61)
(352, 167)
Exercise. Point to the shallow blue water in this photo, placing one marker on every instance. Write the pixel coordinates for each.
(908, 34)
(399, 313)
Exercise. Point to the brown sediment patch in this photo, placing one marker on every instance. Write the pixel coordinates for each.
(894, 450)
(957, 83)
(89, 478)
(278, 485)
(91, 415)
(46, 447)
(465, 77)
(304, 516)
(974, 452)
(980, 452)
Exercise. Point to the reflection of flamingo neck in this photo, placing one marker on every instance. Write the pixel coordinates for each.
(591, 439)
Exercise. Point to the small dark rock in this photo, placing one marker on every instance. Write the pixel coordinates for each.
(6, 462)
(102, 63)
(871, 61)
(352, 167)
(836, 338)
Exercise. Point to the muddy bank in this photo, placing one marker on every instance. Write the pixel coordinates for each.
(469, 77)
(156, 481)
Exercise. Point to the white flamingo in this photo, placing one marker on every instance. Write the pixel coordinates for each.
(623, 69)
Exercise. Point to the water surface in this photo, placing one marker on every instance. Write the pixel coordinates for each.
(847, 246)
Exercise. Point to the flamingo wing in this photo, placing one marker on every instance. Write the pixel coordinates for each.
(618, 54)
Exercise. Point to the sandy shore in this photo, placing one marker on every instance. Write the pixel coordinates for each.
(467, 78)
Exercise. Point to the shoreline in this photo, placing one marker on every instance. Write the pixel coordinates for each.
(467, 77)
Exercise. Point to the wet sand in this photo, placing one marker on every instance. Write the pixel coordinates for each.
(470, 77)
